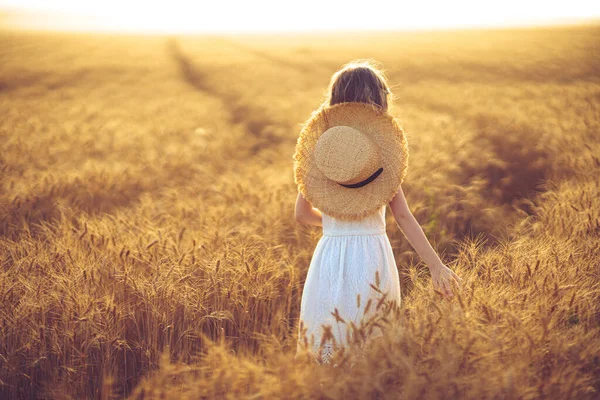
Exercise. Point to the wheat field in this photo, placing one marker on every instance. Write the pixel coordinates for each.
(148, 247)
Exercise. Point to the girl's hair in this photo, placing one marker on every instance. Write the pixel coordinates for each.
(360, 81)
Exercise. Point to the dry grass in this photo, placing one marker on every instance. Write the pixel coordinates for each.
(146, 210)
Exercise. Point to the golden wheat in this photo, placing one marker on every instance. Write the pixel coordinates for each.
(147, 241)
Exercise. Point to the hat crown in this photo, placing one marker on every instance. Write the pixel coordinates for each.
(346, 155)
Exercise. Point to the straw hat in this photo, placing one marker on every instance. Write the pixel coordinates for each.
(350, 160)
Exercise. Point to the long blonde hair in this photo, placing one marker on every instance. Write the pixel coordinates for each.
(362, 81)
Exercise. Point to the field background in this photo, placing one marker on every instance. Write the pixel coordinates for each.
(146, 209)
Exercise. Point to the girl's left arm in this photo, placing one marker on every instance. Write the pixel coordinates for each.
(441, 275)
(305, 213)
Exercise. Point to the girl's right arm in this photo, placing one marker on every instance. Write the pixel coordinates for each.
(441, 275)
(305, 213)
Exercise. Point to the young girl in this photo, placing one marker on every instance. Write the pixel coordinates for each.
(350, 160)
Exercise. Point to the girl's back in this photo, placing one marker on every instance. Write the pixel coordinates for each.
(370, 225)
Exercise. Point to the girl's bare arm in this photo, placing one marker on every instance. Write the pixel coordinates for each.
(305, 213)
(440, 274)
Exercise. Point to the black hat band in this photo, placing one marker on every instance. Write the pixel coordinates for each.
(366, 181)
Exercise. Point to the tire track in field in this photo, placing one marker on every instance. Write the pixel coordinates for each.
(190, 73)
(255, 120)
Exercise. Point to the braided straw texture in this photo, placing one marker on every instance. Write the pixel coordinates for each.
(332, 198)
(345, 155)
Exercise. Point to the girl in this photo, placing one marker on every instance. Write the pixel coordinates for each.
(350, 160)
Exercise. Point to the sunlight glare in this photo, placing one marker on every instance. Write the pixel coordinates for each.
(306, 15)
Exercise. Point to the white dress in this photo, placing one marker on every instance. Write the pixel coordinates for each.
(344, 262)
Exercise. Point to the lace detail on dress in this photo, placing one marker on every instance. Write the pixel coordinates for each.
(325, 354)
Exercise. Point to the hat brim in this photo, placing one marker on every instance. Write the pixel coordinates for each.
(329, 196)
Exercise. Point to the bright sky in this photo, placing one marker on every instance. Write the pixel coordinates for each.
(299, 15)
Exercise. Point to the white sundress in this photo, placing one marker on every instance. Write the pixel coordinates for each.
(343, 264)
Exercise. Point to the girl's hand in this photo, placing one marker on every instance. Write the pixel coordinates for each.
(442, 278)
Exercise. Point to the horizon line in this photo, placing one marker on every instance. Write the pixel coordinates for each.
(6, 14)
